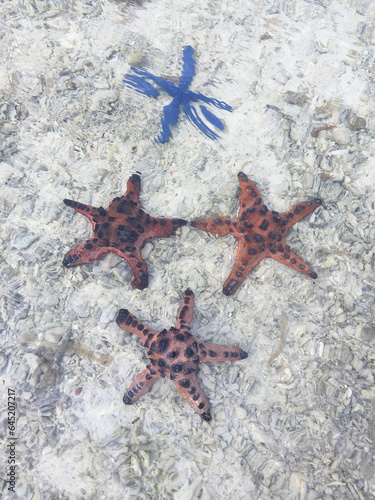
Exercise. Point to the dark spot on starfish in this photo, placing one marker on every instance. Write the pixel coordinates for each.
(145, 331)
(88, 246)
(239, 274)
(192, 390)
(312, 274)
(251, 210)
(148, 376)
(263, 226)
(162, 363)
(293, 261)
(135, 323)
(272, 235)
(102, 211)
(227, 221)
(201, 406)
(173, 354)
(196, 396)
(178, 367)
(243, 354)
(203, 353)
(248, 225)
(301, 266)
(140, 327)
(226, 354)
(276, 218)
(184, 310)
(185, 383)
(196, 360)
(286, 256)
(299, 209)
(186, 300)
(217, 221)
(188, 292)
(143, 281)
(258, 237)
(212, 353)
(244, 262)
(189, 353)
(258, 201)
(138, 264)
(189, 370)
(129, 320)
(234, 354)
(163, 345)
(247, 238)
(280, 248)
(252, 251)
(180, 337)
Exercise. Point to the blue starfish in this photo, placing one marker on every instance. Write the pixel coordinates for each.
(181, 97)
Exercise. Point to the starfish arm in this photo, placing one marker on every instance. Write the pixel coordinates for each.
(87, 210)
(188, 70)
(185, 313)
(84, 254)
(209, 353)
(212, 118)
(249, 194)
(197, 96)
(244, 262)
(292, 260)
(190, 390)
(194, 118)
(130, 324)
(169, 118)
(216, 225)
(298, 212)
(141, 85)
(142, 384)
(162, 228)
(127, 203)
(165, 85)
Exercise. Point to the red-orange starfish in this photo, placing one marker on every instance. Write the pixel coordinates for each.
(177, 354)
(123, 229)
(260, 233)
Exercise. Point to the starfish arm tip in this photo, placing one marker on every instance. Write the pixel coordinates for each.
(312, 274)
(122, 315)
(140, 282)
(206, 415)
(243, 354)
(127, 400)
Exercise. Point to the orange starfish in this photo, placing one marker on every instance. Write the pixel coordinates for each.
(177, 354)
(260, 233)
(123, 229)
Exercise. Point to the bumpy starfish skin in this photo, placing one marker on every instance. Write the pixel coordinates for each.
(260, 233)
(123, 229)
(175, 353)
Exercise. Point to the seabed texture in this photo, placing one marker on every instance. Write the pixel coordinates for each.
(296, 419)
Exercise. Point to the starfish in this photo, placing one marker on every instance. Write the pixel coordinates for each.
(260, 233)
(123, 229)
(175, 353)
(181, 97)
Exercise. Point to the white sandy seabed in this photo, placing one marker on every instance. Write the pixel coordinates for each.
(296, 419)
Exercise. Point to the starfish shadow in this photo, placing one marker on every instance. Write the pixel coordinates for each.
(181, 97)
